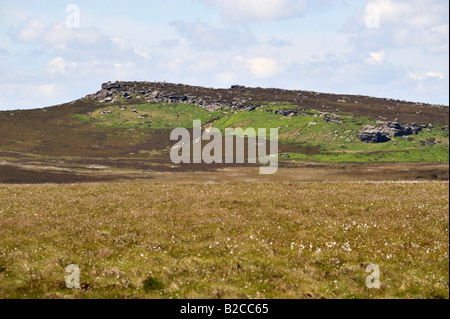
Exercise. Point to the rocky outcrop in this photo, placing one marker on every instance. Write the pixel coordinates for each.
(396, 129)
(384, 131)
(373, 134)
(240, 97)
(127, 91)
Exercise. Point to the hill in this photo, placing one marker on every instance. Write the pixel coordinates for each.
(126, 126)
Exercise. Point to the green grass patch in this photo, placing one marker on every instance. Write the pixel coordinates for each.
(151, 116)
(151, 284)
(339, 142)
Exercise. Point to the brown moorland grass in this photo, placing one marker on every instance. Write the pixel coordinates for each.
(237, 240)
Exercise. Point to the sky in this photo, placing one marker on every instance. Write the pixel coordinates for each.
(54, 51)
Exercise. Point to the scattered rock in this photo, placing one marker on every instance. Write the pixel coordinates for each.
(408, 138)
(155, 94)
(286, 113)
(331, 118)
(429, 142)
(249, 108)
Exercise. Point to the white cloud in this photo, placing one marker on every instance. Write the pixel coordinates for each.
(226, 77)
(425, 76)
(202, 36)
(376, 57)
(124, 65)
(30, 94)
(45, 90)
(78, 52)
(34, 30)
(122, 44)
(205, 64)
(262, 67)
(403, 23)
(249, 11)
(71, 41)
(173, 65)
(60, 66)
(31, 31)
(145, 55)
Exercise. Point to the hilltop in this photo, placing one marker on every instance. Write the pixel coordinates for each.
(246, 98)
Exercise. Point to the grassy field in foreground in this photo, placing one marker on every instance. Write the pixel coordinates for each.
(268, 240)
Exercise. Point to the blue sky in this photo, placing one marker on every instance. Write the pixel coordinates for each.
(385, 48)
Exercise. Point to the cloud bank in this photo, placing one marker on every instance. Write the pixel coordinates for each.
(296, 44)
